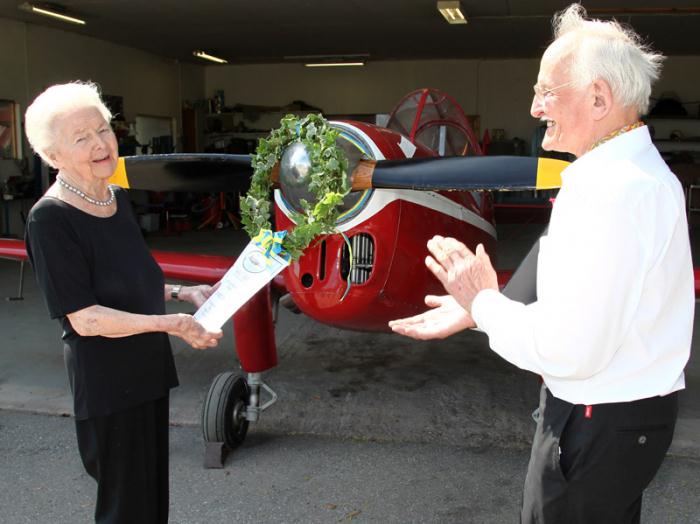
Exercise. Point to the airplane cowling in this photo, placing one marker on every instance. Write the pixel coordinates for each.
(398, 279)
(389, 238)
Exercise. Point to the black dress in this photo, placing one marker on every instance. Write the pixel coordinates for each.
(120, 385)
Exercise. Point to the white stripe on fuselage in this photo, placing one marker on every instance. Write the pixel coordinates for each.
(383, 197)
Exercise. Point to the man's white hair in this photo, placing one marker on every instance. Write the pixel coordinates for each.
(608, 51)
(56, 101)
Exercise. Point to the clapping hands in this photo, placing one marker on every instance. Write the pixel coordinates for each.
(463, 274)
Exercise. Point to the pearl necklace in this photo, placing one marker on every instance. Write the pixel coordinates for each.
(85, 197)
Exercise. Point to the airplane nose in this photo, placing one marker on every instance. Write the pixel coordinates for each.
(295, 176)
(296, 169)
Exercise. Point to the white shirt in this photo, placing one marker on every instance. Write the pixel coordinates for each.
(614, 315)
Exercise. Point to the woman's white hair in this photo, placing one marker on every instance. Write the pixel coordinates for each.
(608, 51)
(56, 101)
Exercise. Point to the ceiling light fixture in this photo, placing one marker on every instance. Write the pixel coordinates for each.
(333, 64)
(207, 56)
(354, 59)
(452, 11)
(52, 10)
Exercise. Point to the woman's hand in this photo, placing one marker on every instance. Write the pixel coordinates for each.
(446, 318)
(198, 295)
(188, 329)
(107, 322)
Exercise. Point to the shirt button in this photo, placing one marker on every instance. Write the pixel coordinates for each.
(642, 440)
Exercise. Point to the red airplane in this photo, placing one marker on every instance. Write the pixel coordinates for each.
(421, 185)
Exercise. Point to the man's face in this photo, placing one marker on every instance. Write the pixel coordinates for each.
(561, 105)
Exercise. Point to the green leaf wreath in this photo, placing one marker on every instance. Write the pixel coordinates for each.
(328, 181)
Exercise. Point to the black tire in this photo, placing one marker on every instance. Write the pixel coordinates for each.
(224, 409)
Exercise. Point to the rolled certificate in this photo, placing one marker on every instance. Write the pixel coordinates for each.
(254, 268)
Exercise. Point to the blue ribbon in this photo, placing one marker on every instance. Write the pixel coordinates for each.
(271, 243)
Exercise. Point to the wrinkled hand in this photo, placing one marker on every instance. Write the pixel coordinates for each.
(446, 318)
(198, 295)
(192, 332)
(462, 273)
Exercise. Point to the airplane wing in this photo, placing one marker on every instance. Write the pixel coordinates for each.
(188, 267)
(191, 267)
(12, 249)
(208, 269)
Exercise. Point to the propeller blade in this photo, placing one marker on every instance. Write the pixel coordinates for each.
(463, 173)
(184, 172)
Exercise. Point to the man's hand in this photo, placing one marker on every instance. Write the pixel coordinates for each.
(446, 318)
(462, 273)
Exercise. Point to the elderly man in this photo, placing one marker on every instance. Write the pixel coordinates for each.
(610, 332)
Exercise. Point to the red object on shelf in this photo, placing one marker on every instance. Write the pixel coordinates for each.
(485, 142)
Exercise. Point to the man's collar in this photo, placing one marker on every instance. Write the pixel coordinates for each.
(617, 132)
(618, 148)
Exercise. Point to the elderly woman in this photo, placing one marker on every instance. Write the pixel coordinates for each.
(99, 280)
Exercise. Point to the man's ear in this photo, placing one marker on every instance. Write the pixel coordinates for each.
(602, 99)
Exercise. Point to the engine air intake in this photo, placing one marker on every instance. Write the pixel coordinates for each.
(362, 259)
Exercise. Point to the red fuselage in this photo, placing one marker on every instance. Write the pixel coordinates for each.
(389, 237)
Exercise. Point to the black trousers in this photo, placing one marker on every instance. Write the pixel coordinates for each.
(127, 454)
(592, 464)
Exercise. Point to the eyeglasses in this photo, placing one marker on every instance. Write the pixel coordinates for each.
(543, 94)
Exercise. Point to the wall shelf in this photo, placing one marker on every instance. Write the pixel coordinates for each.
(238, 131)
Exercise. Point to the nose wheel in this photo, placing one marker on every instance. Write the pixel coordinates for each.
(231, 403)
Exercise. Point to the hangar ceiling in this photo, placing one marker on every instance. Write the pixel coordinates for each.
(264, 31)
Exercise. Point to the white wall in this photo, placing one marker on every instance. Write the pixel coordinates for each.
(37, 57)
(34, 57)
(149, 84)
(497, 90)
(681, 75)
(13, 61)
(192, 82)
(500, 91)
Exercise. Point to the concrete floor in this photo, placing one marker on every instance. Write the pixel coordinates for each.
(293, 479)
(330, 382)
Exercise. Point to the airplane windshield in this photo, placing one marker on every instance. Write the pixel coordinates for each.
(435, 120)
(355, 150)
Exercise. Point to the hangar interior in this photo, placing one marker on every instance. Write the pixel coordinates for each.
(167, 100)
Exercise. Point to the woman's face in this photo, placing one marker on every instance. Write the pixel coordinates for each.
(85, 145)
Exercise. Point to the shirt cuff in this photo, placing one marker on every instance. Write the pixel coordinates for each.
(484, 302)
